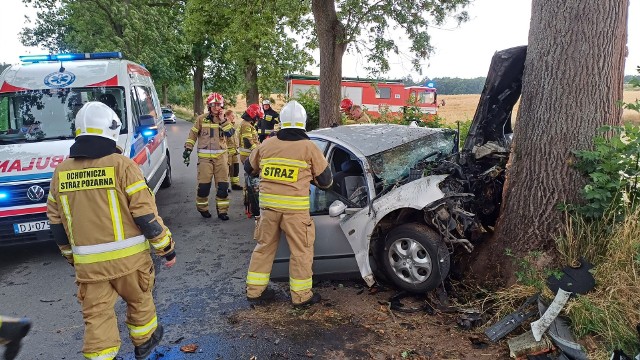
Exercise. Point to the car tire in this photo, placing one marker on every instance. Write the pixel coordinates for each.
(167, 179)
(414, 258)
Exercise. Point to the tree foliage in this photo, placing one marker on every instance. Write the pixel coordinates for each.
(372, 29)
(143, 31)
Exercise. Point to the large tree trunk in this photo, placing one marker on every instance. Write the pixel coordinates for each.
(198, 79)
(251, 78)
(165, 95)
(331, 35)
(573, 78)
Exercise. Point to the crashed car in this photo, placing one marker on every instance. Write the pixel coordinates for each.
(405, 200)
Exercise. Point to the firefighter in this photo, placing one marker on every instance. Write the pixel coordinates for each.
(345, 108)
(12, 331)
(232, 150)
(211, 131)
(287, 164)
(358, 116)
(248, 134)
(267, 125)
(103, 217)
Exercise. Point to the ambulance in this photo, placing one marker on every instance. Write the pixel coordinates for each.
(39, 99)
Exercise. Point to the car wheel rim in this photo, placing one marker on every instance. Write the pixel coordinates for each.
(410, 261)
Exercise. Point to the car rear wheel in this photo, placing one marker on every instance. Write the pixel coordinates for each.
(167, 179)
(414, 258)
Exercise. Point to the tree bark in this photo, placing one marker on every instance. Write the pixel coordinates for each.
(331, 39)
(573, 78)
(251, 78)
(198, 79)
(165, 95)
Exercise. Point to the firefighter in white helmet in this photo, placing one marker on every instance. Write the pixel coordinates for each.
(286, 164)
(104, 219)
(211, 130)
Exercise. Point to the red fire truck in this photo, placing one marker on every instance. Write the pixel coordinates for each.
(375, 95)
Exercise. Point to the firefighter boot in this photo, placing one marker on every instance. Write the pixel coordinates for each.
(267, 296)
(205, 214)
(314, 299)
(143, 351)
(11, 332)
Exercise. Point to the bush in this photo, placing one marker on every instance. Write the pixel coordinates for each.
(310, 100)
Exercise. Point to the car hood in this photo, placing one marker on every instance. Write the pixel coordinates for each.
(36, 160)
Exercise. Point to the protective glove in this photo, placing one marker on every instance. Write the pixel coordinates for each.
(186, 156)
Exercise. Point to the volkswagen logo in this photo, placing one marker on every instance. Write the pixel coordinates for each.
(35, 193)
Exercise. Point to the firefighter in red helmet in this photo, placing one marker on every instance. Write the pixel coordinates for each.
(211, 130)
(345, 107)
(248, 133)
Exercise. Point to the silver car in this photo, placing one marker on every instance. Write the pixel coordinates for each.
(377, 214)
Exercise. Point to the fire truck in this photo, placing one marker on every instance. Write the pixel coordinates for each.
(377, 96)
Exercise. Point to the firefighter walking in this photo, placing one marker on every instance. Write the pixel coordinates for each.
(211, 131)
(104, 219)
(232, 150)
(248, 132)
(287, 164)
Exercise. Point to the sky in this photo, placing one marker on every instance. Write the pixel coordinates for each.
(463, 51)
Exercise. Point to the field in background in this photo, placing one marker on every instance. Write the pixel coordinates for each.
(457, 108)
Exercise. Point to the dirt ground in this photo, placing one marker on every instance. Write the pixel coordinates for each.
(354, 322)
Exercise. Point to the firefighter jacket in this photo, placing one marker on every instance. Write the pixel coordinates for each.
(363, 119)
(211, 133)
(104, 217)
(286, 169)
(232, 144)
(266, 125)
(248, 137)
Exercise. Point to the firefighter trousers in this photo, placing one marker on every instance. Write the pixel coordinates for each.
(234, 169)
(218, 169)
(101, 336)
(300, 232)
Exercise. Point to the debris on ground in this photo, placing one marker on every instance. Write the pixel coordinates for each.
(510, 322)
(525, 344)
(189, 348)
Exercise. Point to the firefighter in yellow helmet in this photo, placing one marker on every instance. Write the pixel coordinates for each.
(248, 132)
(211, 131)
(232, 150)
(287, 164)
(104, 219)
(12, 330)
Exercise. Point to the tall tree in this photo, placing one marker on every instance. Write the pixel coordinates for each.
(572, 82)
(112, 25)
(365, 27)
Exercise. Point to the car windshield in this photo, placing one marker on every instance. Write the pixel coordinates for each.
(394, 164)
(48, 114)
(167, 112)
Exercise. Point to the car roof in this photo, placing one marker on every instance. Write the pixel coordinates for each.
(372, 139)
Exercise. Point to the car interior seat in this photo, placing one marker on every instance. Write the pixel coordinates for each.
(110, 101)
(349, 178)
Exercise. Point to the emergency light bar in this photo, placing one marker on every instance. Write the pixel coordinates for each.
(71, 56)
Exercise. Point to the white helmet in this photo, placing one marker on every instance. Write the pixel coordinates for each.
(293, 116)
(98, 119)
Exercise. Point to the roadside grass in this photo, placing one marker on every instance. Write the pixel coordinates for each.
(183, 113)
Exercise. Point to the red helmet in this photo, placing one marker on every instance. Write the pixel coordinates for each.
(215, 98)
(255, 111)
(345, 105)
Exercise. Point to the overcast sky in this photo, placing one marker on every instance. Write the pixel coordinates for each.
(463, 51)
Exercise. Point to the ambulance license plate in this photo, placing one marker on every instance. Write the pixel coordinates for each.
(31, 226)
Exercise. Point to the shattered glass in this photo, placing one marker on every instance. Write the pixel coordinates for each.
(396, 163)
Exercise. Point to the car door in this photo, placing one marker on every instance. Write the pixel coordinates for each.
(332, 253)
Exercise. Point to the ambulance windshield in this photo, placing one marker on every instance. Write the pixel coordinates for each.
(49, 114)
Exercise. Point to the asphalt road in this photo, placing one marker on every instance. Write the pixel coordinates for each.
(194, 298)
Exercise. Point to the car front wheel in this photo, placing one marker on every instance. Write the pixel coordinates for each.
(414, 258)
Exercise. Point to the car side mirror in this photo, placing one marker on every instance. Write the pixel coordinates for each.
(147, 127)
(337, 208)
